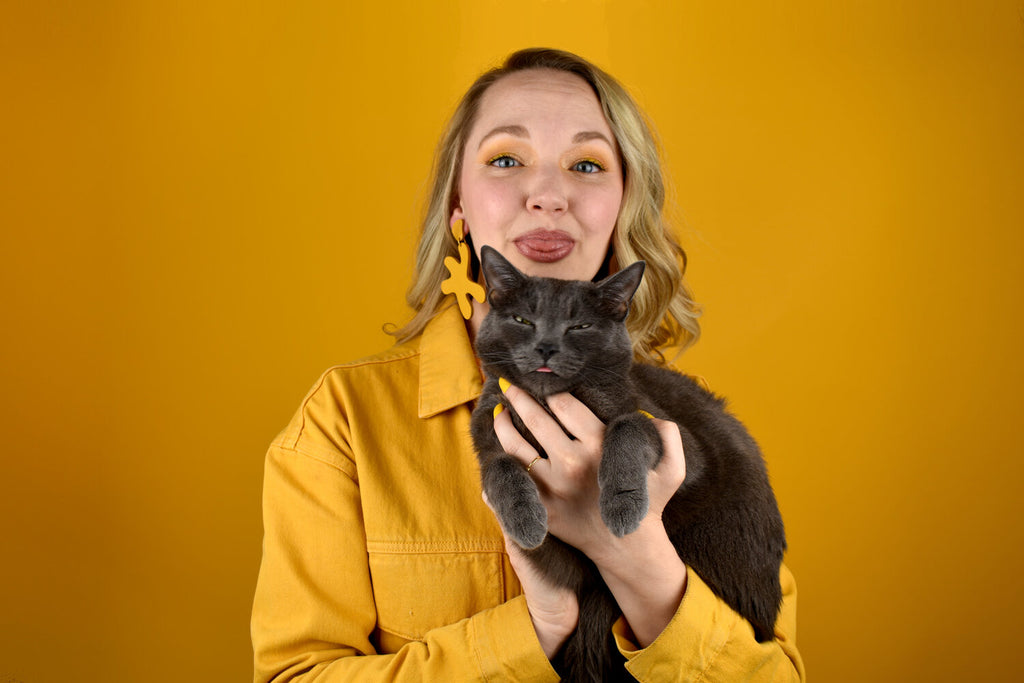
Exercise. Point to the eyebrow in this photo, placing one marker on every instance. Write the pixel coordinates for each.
(586, 135)
(521, 132)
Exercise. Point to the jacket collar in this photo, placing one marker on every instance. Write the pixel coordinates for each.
(449, 374)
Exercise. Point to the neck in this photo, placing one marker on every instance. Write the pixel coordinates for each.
(479, 313)
(473, 327)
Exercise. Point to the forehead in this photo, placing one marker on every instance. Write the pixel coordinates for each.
(539, 97)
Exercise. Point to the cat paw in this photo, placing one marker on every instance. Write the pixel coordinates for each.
(623, 510)
(514, 497)
(527, 524)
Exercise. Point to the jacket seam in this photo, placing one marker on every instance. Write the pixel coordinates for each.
(375, 360)
(410, 353)
(404, 636)
(302, 410)
(481, 546)
(714, 656)
(477, 655)
(306, 454)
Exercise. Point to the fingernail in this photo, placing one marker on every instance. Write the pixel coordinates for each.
(646, 414)
(497, 410)
(504, 384)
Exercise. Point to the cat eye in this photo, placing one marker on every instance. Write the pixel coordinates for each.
(580, 327)
(521, 319)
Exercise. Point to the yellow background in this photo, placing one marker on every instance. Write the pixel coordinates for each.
(204, 205)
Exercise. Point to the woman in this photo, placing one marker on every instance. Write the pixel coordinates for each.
(381, 561)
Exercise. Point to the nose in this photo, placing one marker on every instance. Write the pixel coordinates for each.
(546, 350)
(547, 192)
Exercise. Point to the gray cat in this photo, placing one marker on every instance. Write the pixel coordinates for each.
(723, 520)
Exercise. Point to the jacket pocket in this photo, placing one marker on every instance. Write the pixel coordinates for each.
(418, 591)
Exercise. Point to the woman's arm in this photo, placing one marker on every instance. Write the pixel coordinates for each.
(314, 611)
(554, 612)
(642, 569)
(650, 583)
(708, 641)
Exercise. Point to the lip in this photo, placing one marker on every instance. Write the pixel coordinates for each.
(545, 246)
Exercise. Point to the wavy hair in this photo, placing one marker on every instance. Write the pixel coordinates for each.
(663, 313)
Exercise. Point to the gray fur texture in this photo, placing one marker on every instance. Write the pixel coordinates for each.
(723, 520)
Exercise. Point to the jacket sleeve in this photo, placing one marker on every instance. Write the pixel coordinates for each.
(708, 641)
(314, 614)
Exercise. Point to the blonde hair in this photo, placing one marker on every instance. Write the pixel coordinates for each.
(663, 313)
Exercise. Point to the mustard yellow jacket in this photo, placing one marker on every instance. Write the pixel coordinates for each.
(382, 563)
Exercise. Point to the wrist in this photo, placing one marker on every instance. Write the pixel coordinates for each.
(624, 555)
(646, 577)
(553, 630)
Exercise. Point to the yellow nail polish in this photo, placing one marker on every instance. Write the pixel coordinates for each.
(504, 384)
(646, 414)
(497, 410)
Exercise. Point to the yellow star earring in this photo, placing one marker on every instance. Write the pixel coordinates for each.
(459, 283)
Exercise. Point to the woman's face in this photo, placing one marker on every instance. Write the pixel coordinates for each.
(541, 177)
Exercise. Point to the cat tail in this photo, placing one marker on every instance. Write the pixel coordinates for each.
(591, 654)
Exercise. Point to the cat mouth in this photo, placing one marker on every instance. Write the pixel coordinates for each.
(544, 368)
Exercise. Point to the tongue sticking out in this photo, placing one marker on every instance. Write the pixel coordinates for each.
(544, 369)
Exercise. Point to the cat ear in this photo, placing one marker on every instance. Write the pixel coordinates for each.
(617, 290)
(500, 276)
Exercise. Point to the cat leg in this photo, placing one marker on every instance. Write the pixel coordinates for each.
(632, 447)
(515, 499)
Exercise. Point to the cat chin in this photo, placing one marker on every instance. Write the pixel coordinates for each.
(543, 383)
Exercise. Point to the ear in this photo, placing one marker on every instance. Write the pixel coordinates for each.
(500, 276)
(458, 215)
(617, 290)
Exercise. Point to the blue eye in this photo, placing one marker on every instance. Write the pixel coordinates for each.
(587, 166)
(503, 161)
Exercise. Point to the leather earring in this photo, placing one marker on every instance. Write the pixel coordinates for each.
(459, 282)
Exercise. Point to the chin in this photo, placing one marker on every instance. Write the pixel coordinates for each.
(552, 270)
(566, 269)
(544, 383)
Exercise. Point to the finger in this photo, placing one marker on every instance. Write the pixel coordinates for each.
(537, 420)
(576, 417)
(511, 440)
(672, 466)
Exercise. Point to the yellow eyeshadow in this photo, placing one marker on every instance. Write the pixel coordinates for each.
(592, 154)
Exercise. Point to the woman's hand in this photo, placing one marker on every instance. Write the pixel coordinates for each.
(567, 480)
(553, 610)
(642, 569)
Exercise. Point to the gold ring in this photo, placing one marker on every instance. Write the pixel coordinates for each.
(532, 463)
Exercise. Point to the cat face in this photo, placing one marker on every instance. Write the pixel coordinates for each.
(549, 335)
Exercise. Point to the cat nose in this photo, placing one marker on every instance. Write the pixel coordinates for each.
(546, 350)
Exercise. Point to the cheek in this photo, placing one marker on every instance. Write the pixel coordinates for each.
(488, 199)
(601, 209)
